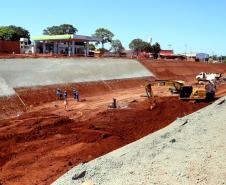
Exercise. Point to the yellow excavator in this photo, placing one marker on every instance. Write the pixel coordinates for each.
(174, 86)
(206, 92)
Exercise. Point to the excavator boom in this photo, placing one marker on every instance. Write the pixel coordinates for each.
(174, 86)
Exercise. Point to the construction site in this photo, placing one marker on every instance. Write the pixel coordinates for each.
(137, 122)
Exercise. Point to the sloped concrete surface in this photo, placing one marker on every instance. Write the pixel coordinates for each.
(5, 89)
(35, 72)
(192, 150)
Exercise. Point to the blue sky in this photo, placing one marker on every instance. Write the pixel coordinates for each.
(199, 24)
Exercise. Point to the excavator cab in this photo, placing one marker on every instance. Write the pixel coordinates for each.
(175, 87)
(186, 92)
(190, 93)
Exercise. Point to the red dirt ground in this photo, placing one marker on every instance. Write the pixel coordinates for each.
(10, 56)
(44, 141)
(37, 147)
(38, 95)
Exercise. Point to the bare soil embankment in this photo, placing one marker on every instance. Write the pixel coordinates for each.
(35, 96)
(192, 150)
(40, 146)
(180, 70)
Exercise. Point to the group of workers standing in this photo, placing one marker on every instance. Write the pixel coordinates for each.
(63, 96)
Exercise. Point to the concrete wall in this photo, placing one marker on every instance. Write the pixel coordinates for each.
(5, 89)
(9, 46)
(41, 72)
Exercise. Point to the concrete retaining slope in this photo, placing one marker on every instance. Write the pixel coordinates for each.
(192, 150)
(36, 72)
(5, 90)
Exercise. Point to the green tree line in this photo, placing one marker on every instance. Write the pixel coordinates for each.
(13, 33)
(104, 36)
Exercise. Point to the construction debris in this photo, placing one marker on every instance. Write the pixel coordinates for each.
(79, 176)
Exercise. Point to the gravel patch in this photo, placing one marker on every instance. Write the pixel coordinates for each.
(192, 150)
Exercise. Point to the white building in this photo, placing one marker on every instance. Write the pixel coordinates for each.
(25, 47)
(69, 44)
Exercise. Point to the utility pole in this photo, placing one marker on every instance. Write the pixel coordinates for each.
(186, 47)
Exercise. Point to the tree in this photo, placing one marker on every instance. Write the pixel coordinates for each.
(60, 30)
(92, 47)
(6, 33)
(214, 57)
(136, 45)
(102, 50)
(146, 47)
(13, 33)
(104, 36)
(156, 48)
(139, 45)
(116, 46)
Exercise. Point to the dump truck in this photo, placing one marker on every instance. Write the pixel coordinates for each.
(208, 76)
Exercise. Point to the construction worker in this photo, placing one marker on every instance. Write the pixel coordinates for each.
(210, 90)
(114, 104)
(75, 94)
(149, 90)
(59, 94)
(65, 100)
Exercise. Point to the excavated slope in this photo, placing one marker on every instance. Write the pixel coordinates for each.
(192, 150)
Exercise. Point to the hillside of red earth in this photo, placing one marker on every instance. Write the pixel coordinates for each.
(38, 147)
(31, 97)
(181, 70)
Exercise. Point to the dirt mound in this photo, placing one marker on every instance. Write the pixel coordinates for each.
(38, 146)
(192, 150)
(181, 70)
(11, 106)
